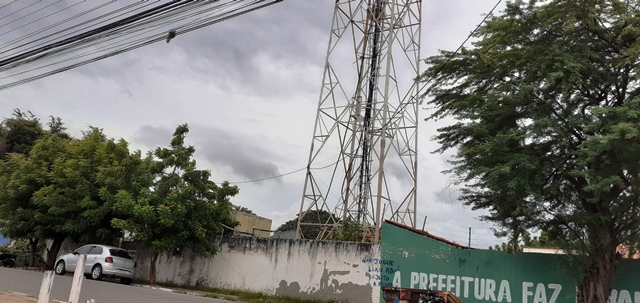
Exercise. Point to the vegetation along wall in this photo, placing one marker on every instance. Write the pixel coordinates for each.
(411, 259)
(306, 269)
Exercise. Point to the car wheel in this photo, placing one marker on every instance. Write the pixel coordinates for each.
(96, 272)
(9, 263)
(60, 268)
(126, 281)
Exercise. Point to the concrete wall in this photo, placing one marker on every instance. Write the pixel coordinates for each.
(307, 269)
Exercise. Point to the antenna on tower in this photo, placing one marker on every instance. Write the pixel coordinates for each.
(366, 122)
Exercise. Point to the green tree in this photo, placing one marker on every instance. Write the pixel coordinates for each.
(16, 211)
(242, 209)
(20, 132)
(545, 240)
(349, 230)
(66, 188)
(547, 133)
(79, 188)
(56, 127)
(22, 177)
(182, 208)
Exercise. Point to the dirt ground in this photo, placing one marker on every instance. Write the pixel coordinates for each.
(14, 297)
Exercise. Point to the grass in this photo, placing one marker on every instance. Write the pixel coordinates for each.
(240, 295)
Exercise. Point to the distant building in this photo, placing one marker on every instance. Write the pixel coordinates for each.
(252, 224)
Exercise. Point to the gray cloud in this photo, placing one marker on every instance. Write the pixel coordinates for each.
(247, 160)
(153, 136)
(242, 154)
(240, 51)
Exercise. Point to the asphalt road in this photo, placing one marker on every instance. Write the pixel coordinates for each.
(107, 291)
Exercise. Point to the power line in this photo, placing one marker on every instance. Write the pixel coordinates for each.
(461, 45)
(425, 83)
(269, 178)
(48, 51)
(451, 56)
(282, 175)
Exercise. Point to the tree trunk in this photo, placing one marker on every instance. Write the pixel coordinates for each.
(53, 252)
(597, 281)
(33, 246)
(152, 268)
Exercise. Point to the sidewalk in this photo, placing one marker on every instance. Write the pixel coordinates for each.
(14, 297)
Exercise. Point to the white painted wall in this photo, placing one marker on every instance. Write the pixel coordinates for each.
(321, 270)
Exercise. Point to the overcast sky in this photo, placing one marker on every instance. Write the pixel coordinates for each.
(248, 88)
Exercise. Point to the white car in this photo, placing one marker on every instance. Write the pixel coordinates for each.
(102, 261)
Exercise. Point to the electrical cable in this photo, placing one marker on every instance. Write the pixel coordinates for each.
(282, 175)
(83, 26)
(12, 42)
(461, 45)
(17, 11)
(29, 23)
(397, 114)
(138, 16)
(119, 51)
(269, 178)
(12, 2)
(94, 40)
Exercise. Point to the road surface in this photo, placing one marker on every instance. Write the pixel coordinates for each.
(109, 291)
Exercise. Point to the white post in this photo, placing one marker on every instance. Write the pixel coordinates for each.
(45, 288)
(74, 296)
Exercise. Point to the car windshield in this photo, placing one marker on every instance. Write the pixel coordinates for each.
(120, 253)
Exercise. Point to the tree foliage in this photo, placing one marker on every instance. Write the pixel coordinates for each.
(21, 178)
(309, 231)
(20, 132)
(179, 207)
(93, 189)
(544, 240)
(547, 133)
(349, 230)
(66, 188)
(243, 209)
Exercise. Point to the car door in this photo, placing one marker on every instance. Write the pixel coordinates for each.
(93, 257)
(73, 258)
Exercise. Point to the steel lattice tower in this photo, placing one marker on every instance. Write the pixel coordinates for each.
(363, 160)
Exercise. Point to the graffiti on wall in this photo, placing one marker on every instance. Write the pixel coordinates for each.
(330, 287)
(375, 271)
(422, 262)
